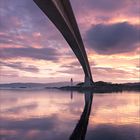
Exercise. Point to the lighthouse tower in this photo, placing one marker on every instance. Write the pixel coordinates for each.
(71, 82)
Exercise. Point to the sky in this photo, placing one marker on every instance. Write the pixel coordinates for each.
(33, 50)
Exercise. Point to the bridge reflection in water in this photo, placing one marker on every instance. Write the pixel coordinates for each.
(79, 132)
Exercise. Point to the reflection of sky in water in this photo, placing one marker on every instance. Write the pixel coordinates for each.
(51, 115)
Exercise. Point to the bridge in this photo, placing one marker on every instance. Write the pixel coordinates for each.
(61, 14)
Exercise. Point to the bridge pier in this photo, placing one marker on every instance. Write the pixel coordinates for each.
(88, 82)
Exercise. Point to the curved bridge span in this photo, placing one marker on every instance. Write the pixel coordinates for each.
(61, 14)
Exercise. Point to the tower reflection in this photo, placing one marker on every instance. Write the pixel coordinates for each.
(79, 132)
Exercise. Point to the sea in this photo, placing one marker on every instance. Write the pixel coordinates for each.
(52, 114)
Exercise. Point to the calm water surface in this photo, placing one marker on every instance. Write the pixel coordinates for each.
(60, 115)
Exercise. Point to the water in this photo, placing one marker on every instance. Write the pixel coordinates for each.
(61, 115)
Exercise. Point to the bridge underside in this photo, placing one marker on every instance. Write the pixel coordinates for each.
(61, 14)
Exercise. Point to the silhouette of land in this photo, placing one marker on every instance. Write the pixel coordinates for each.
(103, 87)
(97, 87)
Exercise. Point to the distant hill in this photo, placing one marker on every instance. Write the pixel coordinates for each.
(33, 85)
(104, 87)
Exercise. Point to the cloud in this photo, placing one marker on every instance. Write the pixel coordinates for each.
(113, 38)
(28, 14)
(115, 72)
(106, 5)
(8, 73)
(110, 7)
(101, 8)
(71, 71)
(119, 75)
(29, 20)
(25, 24)
(20, 66)
(34, 53)
(12, 39)
(73, 68)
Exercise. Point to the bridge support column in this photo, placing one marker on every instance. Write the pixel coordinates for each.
(88, 82)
